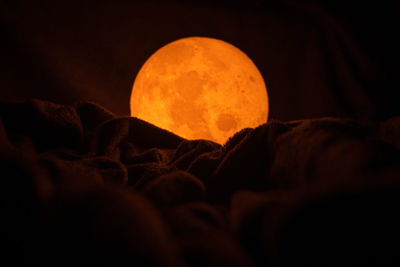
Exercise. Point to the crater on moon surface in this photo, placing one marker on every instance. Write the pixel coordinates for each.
(226, 122)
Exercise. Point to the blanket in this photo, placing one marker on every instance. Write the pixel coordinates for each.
(81, 186)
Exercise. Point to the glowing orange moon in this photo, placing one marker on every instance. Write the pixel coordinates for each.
(200, 88)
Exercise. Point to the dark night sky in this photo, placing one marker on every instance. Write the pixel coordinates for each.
(332, 59)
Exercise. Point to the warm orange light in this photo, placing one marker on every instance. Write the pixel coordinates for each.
(200, 88)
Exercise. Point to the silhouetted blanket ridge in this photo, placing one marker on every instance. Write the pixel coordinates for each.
(82, 186)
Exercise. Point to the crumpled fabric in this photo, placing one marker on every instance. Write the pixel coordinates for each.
(81, 186)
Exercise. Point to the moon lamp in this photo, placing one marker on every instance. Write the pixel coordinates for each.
(200, 88)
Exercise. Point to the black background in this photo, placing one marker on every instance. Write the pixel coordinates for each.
(335, 58)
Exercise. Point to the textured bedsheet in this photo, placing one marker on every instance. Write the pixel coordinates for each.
(81, 186)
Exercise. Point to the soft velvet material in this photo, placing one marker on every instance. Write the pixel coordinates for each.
(115, 190)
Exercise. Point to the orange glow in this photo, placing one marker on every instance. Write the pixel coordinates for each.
(200, 88)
